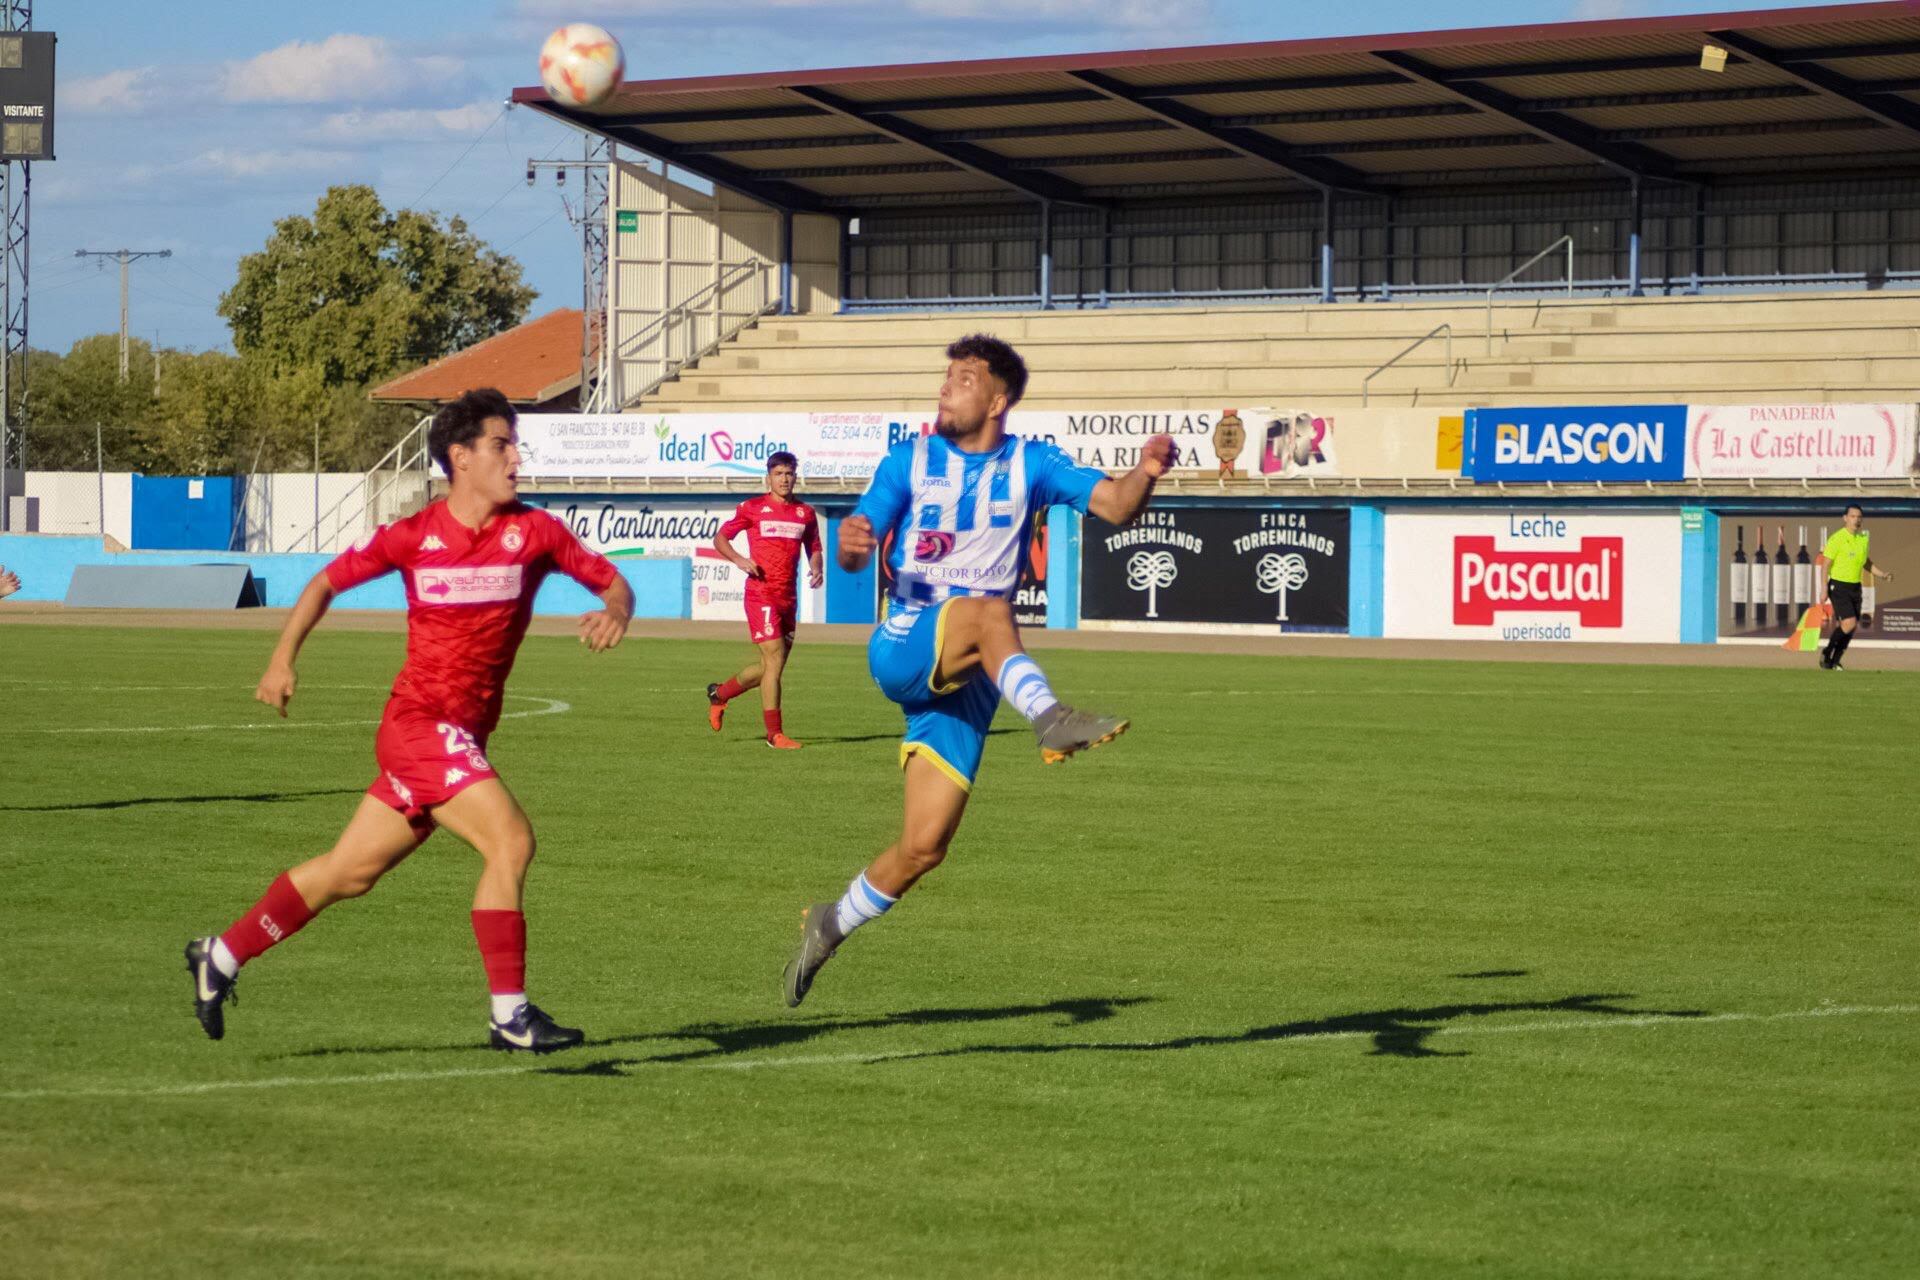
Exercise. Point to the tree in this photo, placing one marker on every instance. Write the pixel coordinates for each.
(355, 294)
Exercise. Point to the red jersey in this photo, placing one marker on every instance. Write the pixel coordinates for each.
(776, 534)
(469, 599)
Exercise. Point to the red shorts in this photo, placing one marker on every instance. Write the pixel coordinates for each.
(424, 761)
(771, 615)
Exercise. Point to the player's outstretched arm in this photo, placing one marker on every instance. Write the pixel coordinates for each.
(1118, 501)
(602, 630)
(857, 543)
(277, 685)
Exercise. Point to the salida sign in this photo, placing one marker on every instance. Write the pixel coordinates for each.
(1533, 576)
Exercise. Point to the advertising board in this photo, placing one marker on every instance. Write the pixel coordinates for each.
(1575, 443)
(1769, 573)
(1531, 575)
(1800, 441)
(1284, 567)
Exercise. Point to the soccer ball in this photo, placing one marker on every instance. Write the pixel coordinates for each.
(580, 65)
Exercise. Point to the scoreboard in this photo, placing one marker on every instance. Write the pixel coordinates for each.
(26, 95)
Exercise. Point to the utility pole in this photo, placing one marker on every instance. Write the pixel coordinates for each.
(595, 164)
(126, 257)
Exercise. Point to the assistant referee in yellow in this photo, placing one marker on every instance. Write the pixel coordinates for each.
(1846, 558)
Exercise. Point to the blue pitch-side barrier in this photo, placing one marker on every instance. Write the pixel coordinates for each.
(45, 563)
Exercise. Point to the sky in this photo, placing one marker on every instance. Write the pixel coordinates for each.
(194, 127)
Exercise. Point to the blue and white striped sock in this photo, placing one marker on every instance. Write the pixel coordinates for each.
(1024, 685)
(861, 903)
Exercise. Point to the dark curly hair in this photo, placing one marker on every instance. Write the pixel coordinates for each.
(462, 421)
(1002, 361)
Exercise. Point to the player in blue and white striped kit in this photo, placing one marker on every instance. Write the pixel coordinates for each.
(958, 505)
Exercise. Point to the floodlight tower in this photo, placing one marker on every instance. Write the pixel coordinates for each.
(16, 187)
(595, 164)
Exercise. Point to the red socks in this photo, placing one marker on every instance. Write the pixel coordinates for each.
(275, 918)
(502, 936)
(772, 719)
(728, 691)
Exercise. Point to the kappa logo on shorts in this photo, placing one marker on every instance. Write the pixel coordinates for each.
(400, 789)
(480, 584)
(453, 776)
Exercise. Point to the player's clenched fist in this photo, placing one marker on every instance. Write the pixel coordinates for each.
(857, 542)
(276, 687)
(1158, 455)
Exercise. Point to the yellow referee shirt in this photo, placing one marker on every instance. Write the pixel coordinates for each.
(1846, 555)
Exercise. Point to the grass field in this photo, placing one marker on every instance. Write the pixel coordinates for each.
(1329, 967)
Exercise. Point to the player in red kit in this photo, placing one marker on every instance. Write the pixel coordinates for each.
(778, 529)
(472, 563)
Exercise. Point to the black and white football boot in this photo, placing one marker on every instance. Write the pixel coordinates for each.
(530, 1030)
(211, 988)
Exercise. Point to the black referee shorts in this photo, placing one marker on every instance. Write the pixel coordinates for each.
(1846, 599)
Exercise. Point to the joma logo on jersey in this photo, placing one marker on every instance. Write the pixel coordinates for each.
(481, 584)
(1587, 582)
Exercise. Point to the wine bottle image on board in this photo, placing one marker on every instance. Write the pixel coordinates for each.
(1783, 580)
(1869, 598)
(1802, 578)
(1760, 581)
(1737, 576)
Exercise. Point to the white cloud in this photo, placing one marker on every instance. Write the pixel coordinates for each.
(224, 162)
(341, 68)
(406, 124)
(128, 90)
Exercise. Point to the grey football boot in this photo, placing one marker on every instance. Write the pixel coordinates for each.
(1063, 731)
(820, 936)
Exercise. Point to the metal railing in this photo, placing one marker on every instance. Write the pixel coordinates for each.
(1514, 274)
(403, 474)
(681, 325)
(1408, 350)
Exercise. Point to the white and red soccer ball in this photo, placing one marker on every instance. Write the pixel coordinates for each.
(581, 65)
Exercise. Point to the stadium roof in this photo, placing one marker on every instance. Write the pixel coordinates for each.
(1826, 88)
(533, 363)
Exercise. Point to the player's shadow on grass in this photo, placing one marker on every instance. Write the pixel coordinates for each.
(717, 1040)
(1396, 1033)
(725, 1039)
(258, 797)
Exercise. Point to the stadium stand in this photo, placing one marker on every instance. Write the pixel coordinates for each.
(1829, 347)
(1736, 197)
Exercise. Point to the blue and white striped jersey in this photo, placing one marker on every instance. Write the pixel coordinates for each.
(959, 521)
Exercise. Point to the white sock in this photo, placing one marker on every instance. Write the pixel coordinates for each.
(861, 903)
(223, 959)
(506, 1006)
(1024, 685)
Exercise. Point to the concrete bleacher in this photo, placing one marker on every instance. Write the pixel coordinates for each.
(1829, 347)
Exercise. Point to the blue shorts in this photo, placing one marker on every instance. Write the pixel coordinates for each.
(945, 723)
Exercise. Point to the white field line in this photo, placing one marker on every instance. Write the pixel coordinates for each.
(862, 1059)
(551, 707)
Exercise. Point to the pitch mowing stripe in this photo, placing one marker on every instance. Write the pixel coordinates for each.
(845, 1059)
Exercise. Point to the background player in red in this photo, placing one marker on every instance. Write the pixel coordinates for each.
(472, 563)
(777, 529)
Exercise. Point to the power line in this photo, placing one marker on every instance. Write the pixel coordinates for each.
(456, 164)
(124, 257)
